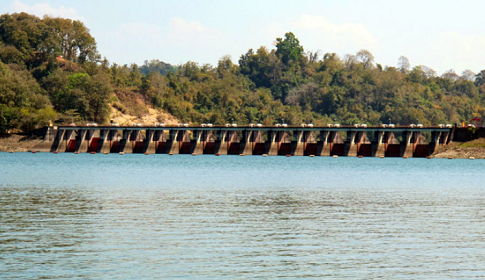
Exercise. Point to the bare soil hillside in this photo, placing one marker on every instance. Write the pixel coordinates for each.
(17, 143)
(149, 118)
(130, 107)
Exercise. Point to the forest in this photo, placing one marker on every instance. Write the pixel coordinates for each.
(51, 72)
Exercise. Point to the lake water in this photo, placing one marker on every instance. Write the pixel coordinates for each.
(86, 216)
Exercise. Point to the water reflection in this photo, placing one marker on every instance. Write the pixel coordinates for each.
(257, 226)
(43, 227)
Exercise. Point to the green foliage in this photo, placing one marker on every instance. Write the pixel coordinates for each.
(72, 39)
(32, 81)
(472, 144)
(21, 99)
(10, 54)
(262, 67)
(32, 119)
(266, 86)
(69, 116)
(289, 48)
(157, 66)
(8, 117)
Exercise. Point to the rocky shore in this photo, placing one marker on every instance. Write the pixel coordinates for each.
(18, 143)
(472, 149)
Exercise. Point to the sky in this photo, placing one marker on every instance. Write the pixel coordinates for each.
(441, 35)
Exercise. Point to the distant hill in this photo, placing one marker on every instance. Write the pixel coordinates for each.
(157, 66)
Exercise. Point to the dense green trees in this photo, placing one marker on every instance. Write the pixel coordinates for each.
(23, 103)
(72, 39)
(32, 37)
(266, 86)
(289, 49)
(38, 86)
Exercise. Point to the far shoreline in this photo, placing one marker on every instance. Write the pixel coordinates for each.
(475, 149)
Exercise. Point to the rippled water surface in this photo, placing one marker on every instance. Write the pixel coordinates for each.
(85, 216)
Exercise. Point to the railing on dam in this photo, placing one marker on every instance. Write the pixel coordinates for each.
(375, 141)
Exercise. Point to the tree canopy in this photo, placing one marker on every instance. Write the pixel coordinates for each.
(50, 70)
(289, 48)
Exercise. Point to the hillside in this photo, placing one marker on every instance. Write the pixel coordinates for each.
(51, 71)
(128, 107)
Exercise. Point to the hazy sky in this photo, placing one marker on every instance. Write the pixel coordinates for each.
(442, 34)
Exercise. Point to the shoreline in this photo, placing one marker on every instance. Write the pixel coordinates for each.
(466, 150)
(463, 150)
(18, 142)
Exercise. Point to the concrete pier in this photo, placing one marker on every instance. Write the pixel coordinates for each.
(105, 138)
(198, 142)
(444, 137)
(407, 144)
(176, 140)
(434, 141)
(350, 148)
(150, 142)
(247, 143)
(126, 143)
(323, 147)
(379, 145)
(58, 141)
(271, 146)
(83, 139)
(298, 146)
(248, 140)
(221, 144)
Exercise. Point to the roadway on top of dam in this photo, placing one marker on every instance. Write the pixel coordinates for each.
(264, 128)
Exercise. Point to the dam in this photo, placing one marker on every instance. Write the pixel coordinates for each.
(352, 141)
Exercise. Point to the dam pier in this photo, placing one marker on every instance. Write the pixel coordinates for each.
(352, 141)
